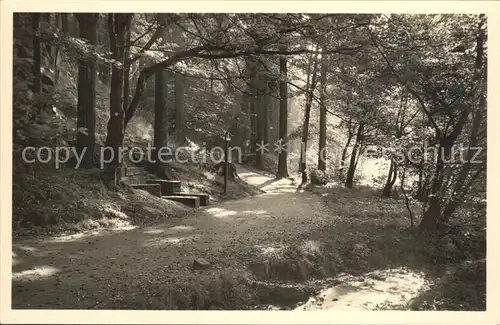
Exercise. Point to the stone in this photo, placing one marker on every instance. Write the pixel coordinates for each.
(201, 264)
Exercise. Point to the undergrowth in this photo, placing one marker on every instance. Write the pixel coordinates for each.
(47, 201)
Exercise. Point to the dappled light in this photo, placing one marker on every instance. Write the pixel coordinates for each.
(310, 247)
(76, 237)
(15, 259)
(269, 251)
(249, 175)
(256, 212)
(387, 289)
(39, 272)
(221, 213)
(162, 241)
(171, 230)
(26, 248)
(154, 231)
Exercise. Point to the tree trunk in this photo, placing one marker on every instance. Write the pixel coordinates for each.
(179, 85)
(265, 114)
(105, 73)
(118, 31)
(263, 118)
(431, 216)
(86, 93)
(407, 201)
(47, 17)
(420, 186)
(283, 120)
(391, 179)
(104, 68)
(350, 135)
(160, 119)
(19, 25)
(37, 54)
(241, 124)
(73, 25)
(352, 164)
(126, 68)
(260, 126)
(46, 20)
(180, 115)
(64, 23)
(258, 112)
(57, 50)
(305, 130)
(253, 106)
(460, 187)
(361, 149)
(261, 110)
(426, 188)
(322, 116)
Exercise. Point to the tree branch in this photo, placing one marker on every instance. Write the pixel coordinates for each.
(197, 52)
(157, 34)
(149, 29)
(405, 84)
(226, 53)
(147, 72)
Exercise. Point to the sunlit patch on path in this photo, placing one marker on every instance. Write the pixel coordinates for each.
(384, 289)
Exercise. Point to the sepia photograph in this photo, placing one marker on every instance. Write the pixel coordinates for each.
(248, 161)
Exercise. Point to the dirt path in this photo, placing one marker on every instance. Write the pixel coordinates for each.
(92, 270)
(122, 268)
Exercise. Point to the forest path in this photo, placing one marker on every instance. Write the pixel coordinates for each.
(100, 269)
(124, 268)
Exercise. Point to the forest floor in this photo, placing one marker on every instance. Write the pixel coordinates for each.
(284, 249)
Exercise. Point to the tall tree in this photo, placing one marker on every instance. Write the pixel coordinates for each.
(179, 86)
(253, 91)
(439, 210)
(46, 21)
(87, 72)
(104, 68)
(180, 114)
(19, 24)
(355, 155)
(322, 115)
(126, 66)
(283, 119)
(117, 24)
(160, 120)
(398, 131)
(64, 22)
(307, 114)
(56, 53)
(73, 25)
(343, 157)
(37, 53)
(262, 111)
